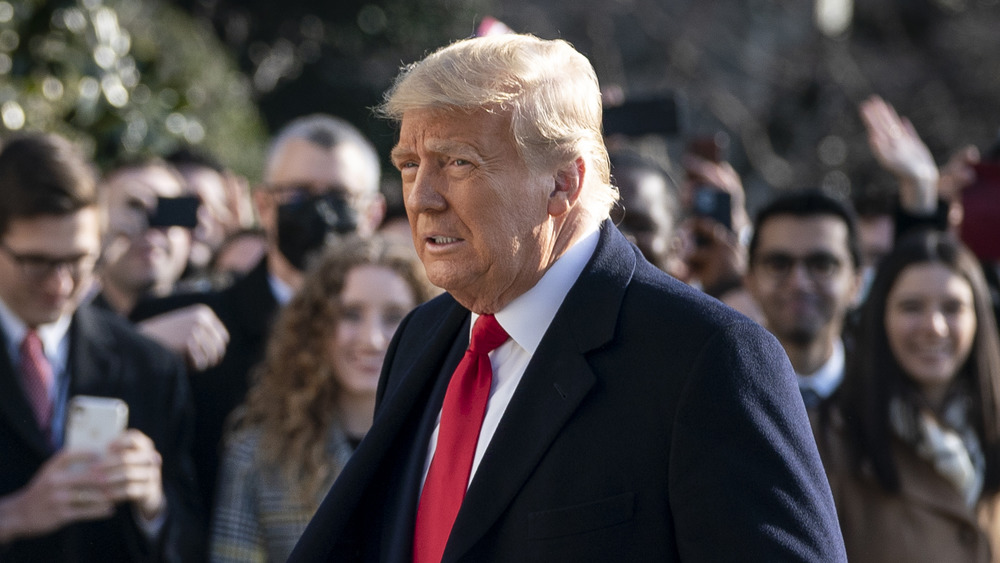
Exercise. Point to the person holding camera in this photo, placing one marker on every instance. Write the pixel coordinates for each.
(321, 179)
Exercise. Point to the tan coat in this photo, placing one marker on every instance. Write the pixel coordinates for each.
(926, 521)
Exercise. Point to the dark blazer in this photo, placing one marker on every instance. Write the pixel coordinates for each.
(247, 309)
(652, 424)
(109, 358)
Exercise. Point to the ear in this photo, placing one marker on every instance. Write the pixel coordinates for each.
(857, 281)
(265, 210)
(373, 215)
(567, 186)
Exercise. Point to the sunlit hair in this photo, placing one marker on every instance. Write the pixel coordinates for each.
(294, 396)
(328, 132)
(43, 174)
(874, 377)
(808, 204)
(549, 89)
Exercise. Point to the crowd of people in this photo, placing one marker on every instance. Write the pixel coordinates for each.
(574, 355)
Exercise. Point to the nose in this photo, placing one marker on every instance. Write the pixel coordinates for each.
(798, 275)
(937, 323)
(373, 334)
(423, 193)
(59, 280)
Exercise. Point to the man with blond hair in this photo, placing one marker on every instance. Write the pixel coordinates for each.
(603, 411)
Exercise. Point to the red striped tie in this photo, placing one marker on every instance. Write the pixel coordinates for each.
(461, 419)
(37, 377)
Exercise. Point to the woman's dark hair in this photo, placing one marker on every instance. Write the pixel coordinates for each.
(874, 377)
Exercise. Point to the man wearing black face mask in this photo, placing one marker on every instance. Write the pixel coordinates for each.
(321, 178)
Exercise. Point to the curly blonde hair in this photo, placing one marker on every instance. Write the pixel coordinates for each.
(293, 398)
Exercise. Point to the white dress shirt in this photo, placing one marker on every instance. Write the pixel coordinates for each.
(526, 319)
(827, 378)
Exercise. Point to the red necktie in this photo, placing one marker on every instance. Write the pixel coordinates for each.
(37, 376)
(461, 419)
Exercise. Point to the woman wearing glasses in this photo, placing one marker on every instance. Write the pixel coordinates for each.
(911, 442)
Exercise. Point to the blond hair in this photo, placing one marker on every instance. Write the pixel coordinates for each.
(549, 89)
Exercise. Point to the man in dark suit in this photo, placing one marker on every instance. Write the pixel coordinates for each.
(136, 500)
(321, 177)
(622, 416)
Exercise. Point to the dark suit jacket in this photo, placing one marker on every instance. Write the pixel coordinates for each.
(247, 309)
(652, 424)
(109, 358)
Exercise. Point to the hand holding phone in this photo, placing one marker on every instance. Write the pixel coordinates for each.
(713, 203)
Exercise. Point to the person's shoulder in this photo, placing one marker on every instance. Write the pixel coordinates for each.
(109, 330)
(659, 293)
(242, 444)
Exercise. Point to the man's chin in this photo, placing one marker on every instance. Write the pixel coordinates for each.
(802, 337)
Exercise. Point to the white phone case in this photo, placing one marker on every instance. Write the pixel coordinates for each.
(94, 422)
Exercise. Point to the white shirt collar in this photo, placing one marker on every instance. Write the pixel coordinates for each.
(51, 334)
(529, 315)
(282, 292)
(828, 377)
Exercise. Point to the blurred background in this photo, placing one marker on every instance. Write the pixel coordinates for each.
(777, 81)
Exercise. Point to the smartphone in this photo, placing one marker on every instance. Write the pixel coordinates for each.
(175, 212)
(713, 203)
(658, 115)
(92, 423)
(980, 229)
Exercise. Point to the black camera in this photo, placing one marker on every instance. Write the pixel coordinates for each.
(175, 212)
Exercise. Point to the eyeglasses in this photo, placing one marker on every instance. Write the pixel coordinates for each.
(819, 265)
(37, 267)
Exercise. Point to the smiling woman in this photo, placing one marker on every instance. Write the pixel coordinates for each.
(314, 396)
(912, 444)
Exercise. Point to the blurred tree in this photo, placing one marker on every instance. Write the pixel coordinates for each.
(784, 79)
(334, 57)
(124, 77)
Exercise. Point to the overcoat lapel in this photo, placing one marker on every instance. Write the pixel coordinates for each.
(402, 400)
(554, 384)
(398, 539)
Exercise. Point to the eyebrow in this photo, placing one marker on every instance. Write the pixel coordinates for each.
(438, 146)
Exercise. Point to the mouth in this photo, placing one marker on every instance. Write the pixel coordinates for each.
(442, 240)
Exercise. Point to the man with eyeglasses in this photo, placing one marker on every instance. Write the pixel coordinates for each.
(134, 499)
(321, 179)
(804, 275)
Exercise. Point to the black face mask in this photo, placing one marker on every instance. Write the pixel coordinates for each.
(303, 225)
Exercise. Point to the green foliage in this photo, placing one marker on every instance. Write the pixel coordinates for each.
(123, 78)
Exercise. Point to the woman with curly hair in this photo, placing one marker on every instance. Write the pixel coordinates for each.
(313, 397)
(911, 442)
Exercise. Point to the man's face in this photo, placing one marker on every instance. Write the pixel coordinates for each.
(647, 219)
(301, 166)
(139, 257)
(47, 262)
(802, 277)
(478, 215)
